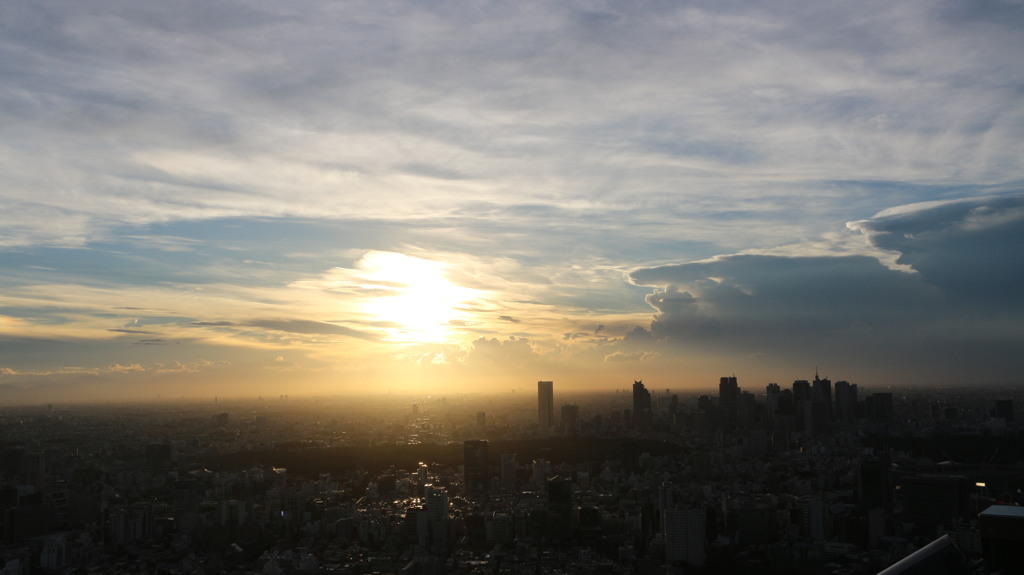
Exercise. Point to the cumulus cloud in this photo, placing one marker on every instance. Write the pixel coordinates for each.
(972, 250)
(511, 352)
(206, 162)
(960, 291)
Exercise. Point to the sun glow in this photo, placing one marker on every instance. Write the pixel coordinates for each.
(413, 298)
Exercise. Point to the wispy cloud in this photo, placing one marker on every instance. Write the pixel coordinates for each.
(594, 180)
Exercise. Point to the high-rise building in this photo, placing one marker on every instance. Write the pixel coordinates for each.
(685, 532)
(874, 483)
(475, 461)
(801, 395)
(545, 404)
(846, 401)
(1002, 536)
(559, 507)
(643, 417)
(436, 499)
(728, 401)
(879, 407)
(1004, 409)
(541, 468)
(570, 419)
(821, 393)
(509, 470)
(772, 393)
(931, 500)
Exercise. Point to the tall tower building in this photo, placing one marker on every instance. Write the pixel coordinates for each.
(509, 470)
(643, 418)
(570, 419)
(559, 508)
(545, 404)
(475, 461)
(801, 395)
(846, 401)
(436, 499)
(773, 392)
(728, 400)
(821, 393)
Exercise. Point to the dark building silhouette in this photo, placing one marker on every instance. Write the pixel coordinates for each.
(879, 407)
(846, 401)
(931, 500)
(509, 470)
(643, 417)
(560, 508)
(801, 395)
(772, 393)
(728, 402)
(629, 452)
(1004, 409)
(874, 483)
(821, 393)
(1002, 538)
(475, 465)
(570, 419)
(545, 404)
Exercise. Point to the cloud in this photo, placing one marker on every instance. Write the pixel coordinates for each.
(960, 291)
(308, 327)
(511, 352)
(972, 250)
(757, 294)
(453, 103)
(626, 356)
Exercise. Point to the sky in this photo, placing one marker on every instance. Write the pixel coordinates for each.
(262, 197)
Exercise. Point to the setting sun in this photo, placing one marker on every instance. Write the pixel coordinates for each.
(413, 297)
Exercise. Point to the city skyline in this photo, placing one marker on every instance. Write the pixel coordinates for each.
(258, 198)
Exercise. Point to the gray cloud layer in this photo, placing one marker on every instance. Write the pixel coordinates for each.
(232, 148)
(957, 313)
(119, 112)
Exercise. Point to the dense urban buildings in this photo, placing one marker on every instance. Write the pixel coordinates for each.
(805, 478)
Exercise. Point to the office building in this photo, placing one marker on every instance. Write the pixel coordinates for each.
(728, 401)
(545, 404)
(475, 461)
(643, 417)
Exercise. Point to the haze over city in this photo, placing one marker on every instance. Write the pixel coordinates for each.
(236, 199)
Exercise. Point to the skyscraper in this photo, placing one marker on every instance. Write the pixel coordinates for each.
(545, 404)
(509, 470)
(846, 401)
(475, 462)
(728, 401)
(570, 419)
(685, 533)
(821, 393)
(643, 418)
(559, 508)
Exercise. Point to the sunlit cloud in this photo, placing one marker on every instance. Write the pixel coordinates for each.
(569, 189)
